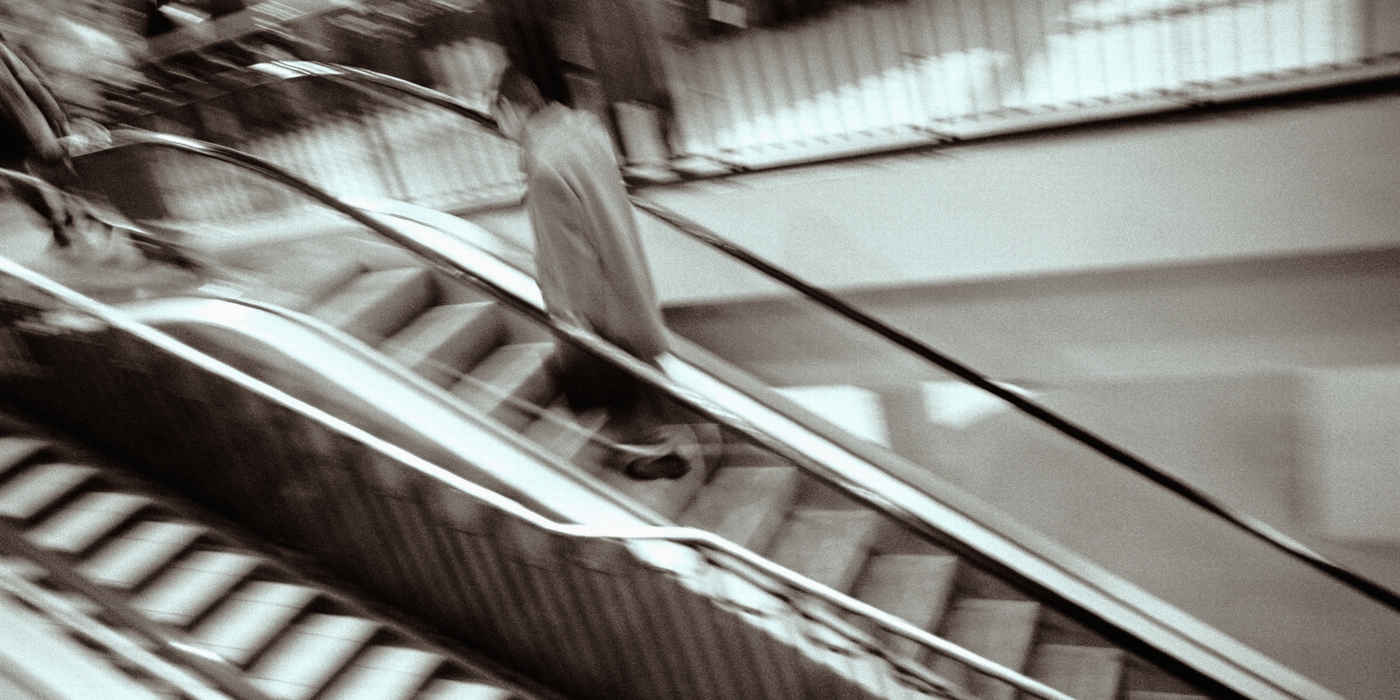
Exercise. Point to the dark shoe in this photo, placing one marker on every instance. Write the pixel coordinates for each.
(674, 454)
(664, 466)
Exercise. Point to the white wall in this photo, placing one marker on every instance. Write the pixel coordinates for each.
(1268, 182)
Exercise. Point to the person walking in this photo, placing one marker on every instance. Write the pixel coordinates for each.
(592, 272)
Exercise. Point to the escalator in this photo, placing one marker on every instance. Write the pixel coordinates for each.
(480, 346)
(464, 343)
(230, 610)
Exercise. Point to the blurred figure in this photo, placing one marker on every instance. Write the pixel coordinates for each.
(74, 48)
(38, 137)
(592, 272)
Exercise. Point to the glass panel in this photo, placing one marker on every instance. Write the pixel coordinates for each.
(1086, 502)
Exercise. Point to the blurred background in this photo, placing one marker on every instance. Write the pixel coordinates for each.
(1171, 221)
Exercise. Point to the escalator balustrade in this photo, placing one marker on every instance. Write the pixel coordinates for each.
(480, 352)
(290, 636)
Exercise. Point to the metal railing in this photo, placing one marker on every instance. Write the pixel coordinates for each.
(587, 608)
(878, 75)
(862, 77)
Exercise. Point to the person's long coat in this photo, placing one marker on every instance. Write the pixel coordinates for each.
(591, 267)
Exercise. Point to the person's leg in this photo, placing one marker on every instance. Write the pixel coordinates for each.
(638, 436)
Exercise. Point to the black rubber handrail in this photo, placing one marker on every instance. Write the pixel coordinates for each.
(1249, 524)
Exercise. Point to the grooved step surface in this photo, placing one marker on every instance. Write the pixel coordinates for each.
(384, 673)
(251, 617)
(139, 552)
(463, 690)
(374, 305)
(301, 663)
(745, 505)
(193, 585)
(913, 587)
(517, 372)
(41, 486)
(1084, 673)
(447, 340)
(82, 523)
(827, 546)
(15, 451)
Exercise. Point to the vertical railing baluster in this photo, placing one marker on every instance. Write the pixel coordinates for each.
(805, 121)
(1045, 94)
(999, 91)
(912, 62)
(702, 67)
(760, 93)
(812, 44)
(865, 67)
(1018, 72)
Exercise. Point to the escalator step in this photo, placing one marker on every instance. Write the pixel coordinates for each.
(518, 372)
(300, 281)
(999, 630)
(82, 523)
(463, 690)
(445, 341)
(1085, 673)
(251, 617)
(125, 562)
(913, 587)
(746, 505)
(827, 546)
(300, 664)
(193, 585)
(384, 673)
(33, 491)
(15, 451)
(375, 305)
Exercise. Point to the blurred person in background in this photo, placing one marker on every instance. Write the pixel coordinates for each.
(593, 274)
(56, 64)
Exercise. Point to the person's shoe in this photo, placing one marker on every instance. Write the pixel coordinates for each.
(669, 465)
(675, 454)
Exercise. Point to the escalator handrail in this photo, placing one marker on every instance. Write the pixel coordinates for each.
(675, 534)
(833, 302)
